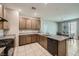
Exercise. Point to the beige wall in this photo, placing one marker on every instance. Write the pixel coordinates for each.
(13, 18)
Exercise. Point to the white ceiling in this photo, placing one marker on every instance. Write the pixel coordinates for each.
(53, 11)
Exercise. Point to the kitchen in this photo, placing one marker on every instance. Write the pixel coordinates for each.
(27, 33)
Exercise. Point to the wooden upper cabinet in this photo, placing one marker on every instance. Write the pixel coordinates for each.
(22, 23)
(38, 24)
(34, 24)
(28, 24)
(0, 16)
(0, 11)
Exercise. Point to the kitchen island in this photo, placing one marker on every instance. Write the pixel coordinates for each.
(57, 45)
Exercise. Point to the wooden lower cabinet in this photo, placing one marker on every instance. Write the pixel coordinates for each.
(43, 41)
(57, 48)
(34, 38)
(0, 25)
(26, 39)
(22, 40)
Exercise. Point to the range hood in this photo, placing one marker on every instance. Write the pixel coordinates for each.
(3, 20)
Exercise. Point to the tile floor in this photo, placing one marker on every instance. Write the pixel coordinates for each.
(33, 49)
(72, 47)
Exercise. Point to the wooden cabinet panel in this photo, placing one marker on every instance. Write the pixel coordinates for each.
(37, 38)
(34, 38)
(38, 24)
(0, 16)
(62, 48)
(22, 40)
(53, 46)
(0, 11)
(57, 47)
(28, 39)
(43, 41)
(33, 24)
(28, 24)
(0, 25)
(22, 23)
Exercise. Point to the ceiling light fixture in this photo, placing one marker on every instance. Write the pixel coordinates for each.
(19, 10)
(33, 8)
(45, 3)
(35, 14)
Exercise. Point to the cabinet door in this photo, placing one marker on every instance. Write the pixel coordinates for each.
(43, 41)
(38, 38)
(28, 24)
(28, 39)
(0, 16)
(38, 24)
(34, 38)
(22, 40)
(1, 11)
(22, 23)
(0, 25)
(52, 46)
(34, 24)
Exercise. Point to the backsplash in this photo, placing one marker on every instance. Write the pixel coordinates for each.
(28, 31)
(1, 32)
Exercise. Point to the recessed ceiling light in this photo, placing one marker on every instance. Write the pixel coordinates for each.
(19, 10)
(35, 13)
(45, 3)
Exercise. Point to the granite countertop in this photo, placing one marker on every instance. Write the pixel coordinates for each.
(58, 38)
(2, 49)
(7, 37)
(55, 37)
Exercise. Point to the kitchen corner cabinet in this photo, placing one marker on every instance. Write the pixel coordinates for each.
(35, 24)
(43, 41)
